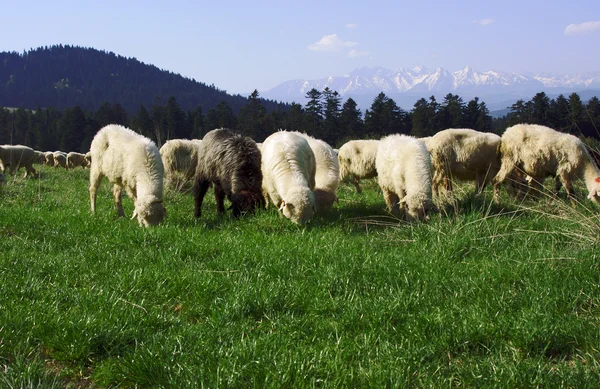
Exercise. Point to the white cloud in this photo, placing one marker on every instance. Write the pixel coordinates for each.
(483, 22)
(357, 53)
(331, 43)
(351, 25)
(582, 28)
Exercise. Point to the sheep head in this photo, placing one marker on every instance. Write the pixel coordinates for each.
(149, 211)
(594, 194)
(298, 205)
(324, 200)
(246, 201)
(416, 208)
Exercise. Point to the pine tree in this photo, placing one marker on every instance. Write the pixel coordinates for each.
(540, 108)
(576, 109)
(175, 121)
(143, 123)
(351, 124)
(72, 126)
(423, 118)
(252, 118)
(558, 116)
(313, 113)
(450, 114)
(330, 127)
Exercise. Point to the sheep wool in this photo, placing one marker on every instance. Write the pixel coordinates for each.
(231, 162)
(540, 152)
(289, 168)
(130, 161)
(327, 176)
(404, 169)
(16, 157)
(463, 154)
(357, 160)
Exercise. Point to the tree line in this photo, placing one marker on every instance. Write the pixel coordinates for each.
(325, 116)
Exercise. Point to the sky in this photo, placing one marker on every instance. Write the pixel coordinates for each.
(240, 46)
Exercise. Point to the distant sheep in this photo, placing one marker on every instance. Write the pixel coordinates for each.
(16, 157)
(541, 152)
(357, 160)
(463, 154)
(289, 168)
(88, 158)
(60, 159)
(49, 155)
(76, 159)
(404, 169)
(131, 161)
(231, 162)
(180, 157)
(39, 157)
(327, 177)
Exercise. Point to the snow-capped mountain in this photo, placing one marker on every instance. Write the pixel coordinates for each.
(406, 86)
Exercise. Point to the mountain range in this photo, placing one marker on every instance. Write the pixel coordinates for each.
(406, 86)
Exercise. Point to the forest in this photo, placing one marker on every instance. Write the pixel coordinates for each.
(324, 116)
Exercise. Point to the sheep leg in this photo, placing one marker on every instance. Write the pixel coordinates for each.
(94, 183)
(392, 201)
(220, 199)
(506, 170)
(557, 185)
(200, 188)
(566, 182)
(118, 196)
(356, 181)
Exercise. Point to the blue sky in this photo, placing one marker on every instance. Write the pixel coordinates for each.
(240, 46)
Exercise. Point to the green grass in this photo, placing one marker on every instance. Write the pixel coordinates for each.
(482, 295)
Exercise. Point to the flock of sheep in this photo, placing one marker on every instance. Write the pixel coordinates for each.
(300, 175)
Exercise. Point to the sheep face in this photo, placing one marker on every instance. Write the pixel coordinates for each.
(594, 194)
(299, 205)
(149, 213)
(415, 209)
(245, 202)
(324, 200)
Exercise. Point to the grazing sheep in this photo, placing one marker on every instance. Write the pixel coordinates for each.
(327, 177)
(39, 157)
(541, 152)
(463, 154)
(49, 155)
(76, 159)
(60, 159)
(231, 162)
(17, 157)
(131, 161)
(404, 169)
(180, 157)
(357, 160)
(289, 168)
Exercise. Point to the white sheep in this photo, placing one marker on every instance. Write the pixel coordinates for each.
(60, 159)
(180, 158)
(327, 177)
(288, 167)
(16, 157)
(76, 159)
(357, 160)
(49, 155)
(463, 154)
(131, 161)
(540, 152)
(404, 169)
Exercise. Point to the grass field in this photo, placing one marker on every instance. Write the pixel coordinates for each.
(482, 295)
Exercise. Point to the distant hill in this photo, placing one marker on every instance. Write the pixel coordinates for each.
(65, 76)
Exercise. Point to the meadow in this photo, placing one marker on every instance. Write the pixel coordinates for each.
(482, 295)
